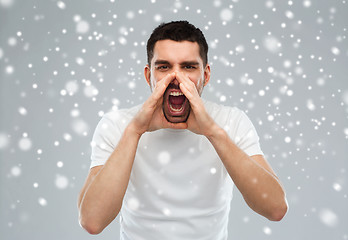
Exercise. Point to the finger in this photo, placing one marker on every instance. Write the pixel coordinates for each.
(185, 91)
(182, 78)
(159, 89)
(194, 99)
(190, 86)
(162, 85)
(193, 96)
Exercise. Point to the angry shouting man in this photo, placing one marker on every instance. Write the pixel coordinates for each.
(168, 166)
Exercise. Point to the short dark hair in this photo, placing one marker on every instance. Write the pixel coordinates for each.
(177, 31)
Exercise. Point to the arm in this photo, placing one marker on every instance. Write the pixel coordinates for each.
(253, 176)
(101, 200)
(101, 197)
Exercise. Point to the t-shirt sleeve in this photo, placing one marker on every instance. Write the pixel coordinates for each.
(105, 138)
(246, 136)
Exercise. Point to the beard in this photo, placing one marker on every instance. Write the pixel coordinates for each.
(176, 107)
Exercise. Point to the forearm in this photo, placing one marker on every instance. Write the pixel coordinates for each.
(261, 189)
(103, 198)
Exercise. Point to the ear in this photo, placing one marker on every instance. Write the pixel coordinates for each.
(147, 73)
(206, 74)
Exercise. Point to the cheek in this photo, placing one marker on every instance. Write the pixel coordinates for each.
(197, 80)
(154, 79)
(151, 83)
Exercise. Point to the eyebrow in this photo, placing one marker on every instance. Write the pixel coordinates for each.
(185, 63)
(158, 62)
(189, 63)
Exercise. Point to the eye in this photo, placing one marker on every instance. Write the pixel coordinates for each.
(163, 67)
(189, 67)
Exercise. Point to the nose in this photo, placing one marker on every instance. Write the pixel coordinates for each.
(175, 81)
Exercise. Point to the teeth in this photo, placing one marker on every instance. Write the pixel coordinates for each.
(176, 94)
(176, 110)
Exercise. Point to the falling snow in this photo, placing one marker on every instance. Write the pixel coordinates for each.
(16, 171)
(272, 44)
(1, 53)
(133, 204)
(164, 157)
(71, 87)
(337, 187)
(63, 67)
(6, 3)
(42, 201)
(166, 212)
(60, 164)
(345, 96)
(226, 15)
(25, 144)
(82, 27)
(61, 182)
(4, 141)
(267, 230)
(61, 5)
(328, 217)
(9, 70)
(79, 126)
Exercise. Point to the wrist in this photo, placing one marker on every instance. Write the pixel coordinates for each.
(133, 131)
(214, 132)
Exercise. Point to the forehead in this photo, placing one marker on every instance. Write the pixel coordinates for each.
(174, 51)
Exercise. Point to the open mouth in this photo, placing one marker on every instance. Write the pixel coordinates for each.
(176, 102)
(176, 107)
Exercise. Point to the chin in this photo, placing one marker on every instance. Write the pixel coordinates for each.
(176, 116)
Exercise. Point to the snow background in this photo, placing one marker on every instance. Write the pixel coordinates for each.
(65, 63)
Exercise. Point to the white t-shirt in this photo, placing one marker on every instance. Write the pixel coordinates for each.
(179, 187)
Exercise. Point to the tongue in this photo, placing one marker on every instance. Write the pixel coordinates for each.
(177, 100)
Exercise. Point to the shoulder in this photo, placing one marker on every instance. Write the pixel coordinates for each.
(219, 111)
(118, 118)
(121, 115)
(232, 119)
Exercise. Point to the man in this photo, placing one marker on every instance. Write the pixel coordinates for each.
(169, 165)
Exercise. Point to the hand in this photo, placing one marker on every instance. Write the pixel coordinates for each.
(199, 120)
(150, 117)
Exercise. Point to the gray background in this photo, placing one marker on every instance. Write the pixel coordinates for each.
(65, 63)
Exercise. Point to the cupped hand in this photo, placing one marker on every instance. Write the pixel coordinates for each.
(199, 120)
(150, 117)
